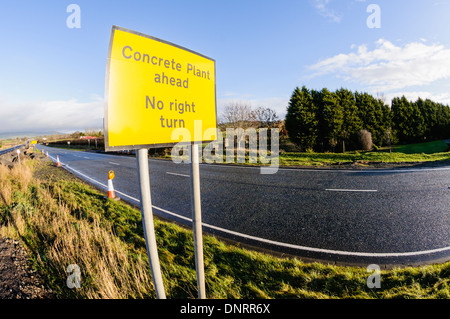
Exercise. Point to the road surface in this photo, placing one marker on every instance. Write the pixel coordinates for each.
(7, 150)
(385, 217)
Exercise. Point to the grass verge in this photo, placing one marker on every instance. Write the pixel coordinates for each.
(328, 159)
(423, 148)
(436, 151)
(414, 153)
(320, 159)
(64, 221)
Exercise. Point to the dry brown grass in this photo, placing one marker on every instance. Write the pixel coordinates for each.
(100, 255)
(5, 185)
(36, 214)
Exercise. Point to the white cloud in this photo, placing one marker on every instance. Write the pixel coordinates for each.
(51, 115)
(389, 67)
(322, 7)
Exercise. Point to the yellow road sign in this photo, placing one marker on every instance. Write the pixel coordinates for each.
(154, 87)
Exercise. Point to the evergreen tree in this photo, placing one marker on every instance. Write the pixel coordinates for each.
(387, 137)
(402, 116)
(442, 128)
(429, 111)
(351, 123)
(364, 104)
(301, 121)
(322, 120)
(418, 120)
(331, 118)
(380, 121)
(372, 112)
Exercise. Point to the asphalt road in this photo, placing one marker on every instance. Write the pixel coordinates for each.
(7, 150)
(385, 217)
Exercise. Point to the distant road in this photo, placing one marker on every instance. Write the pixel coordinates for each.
(386, 217)
(7, 150)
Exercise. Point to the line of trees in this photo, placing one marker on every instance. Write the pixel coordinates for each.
(242, 115)
(343, 120)
(421, 120)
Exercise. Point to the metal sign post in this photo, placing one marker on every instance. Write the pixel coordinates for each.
(18, 157)
(147, 222)
(197, 220)
(152, 88)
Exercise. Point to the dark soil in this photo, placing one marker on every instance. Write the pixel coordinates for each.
(18, 280)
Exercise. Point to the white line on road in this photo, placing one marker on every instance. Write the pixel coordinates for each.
(362, 171)
(176, 174)
(85, 157)
(281, 244)
(272, 242)
(113, 163)
(352, 190)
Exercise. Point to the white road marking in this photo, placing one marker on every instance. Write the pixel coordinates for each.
(85, 157)
(176, 174)
(272, 242)
(352, 190)
(113, 163)
(362, 171)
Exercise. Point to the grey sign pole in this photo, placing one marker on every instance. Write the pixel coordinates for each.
(197, 220)
(18, 157)
(147, 222)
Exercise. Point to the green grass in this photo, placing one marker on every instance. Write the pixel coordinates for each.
(233, 272)
(412, 153)
(230, 271)
(415, 153)
(320, 159)
(425, 148)
(325, 159)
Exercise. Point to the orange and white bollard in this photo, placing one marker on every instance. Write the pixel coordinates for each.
(58, 163)
(111, 192)
(46, 154)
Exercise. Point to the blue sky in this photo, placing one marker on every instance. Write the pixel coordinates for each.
(52, 77)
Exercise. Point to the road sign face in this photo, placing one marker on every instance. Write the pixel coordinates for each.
(154, 87)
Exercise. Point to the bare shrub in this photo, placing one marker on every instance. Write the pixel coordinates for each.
(238, 115)
(265, 117)
(365, 140)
